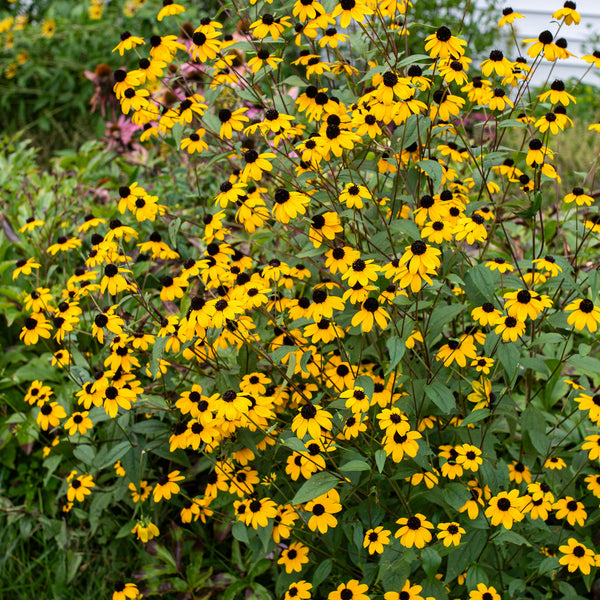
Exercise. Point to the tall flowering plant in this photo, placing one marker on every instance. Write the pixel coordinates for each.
(364, 346)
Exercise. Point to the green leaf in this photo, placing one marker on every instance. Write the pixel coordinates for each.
(534, 207)
(380, 457)
(115, 454)
(431, 561)
(394, 574)
(85, 454)
(99, 502)
(509, 355)
(475, 417)
(355, 465)
(295, 444)
(174, 226)
(240, 532)
(475, 576)
(478, 282)
(321, 573)
(157, 352)
(396, 348)
(434, 171)
(317, 485)
(441, 396)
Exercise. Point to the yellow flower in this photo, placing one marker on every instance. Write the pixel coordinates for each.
(376, 539)
(145, 530)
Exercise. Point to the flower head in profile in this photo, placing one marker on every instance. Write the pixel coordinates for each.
(167, 485)
(145, 531)
(169, 9)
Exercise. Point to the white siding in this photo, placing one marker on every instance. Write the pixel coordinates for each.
(538, 15)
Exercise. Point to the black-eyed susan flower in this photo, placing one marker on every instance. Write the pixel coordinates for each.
(583, 313)
(570, 508)
(542, 44)
(145, 531)
(376, 539)
(557, 93)
(31, 224)
(268, 25)
(195, 142)
(169, 9)
(63, 244)
(592, 445)
(577, 556)
(523, 304)
(518, 472)
(484, 592)
(288, 205)
(555, 463)
(408, 592)
(593, 484)
(78, 422)
(450, 533)
(323, 508)
(370, 312)
(80, 487)
(166, 486)
(569, 13)
(499, 264)
(164, 48)
(506, 508)
(351, 10)
(25, 267)
(509, 16)
(311, 419)
(294, 557)
(38, 393)
(324, 226)
(35, 326)
(443, 44)
(141, 494)
(298, 590)
(353, 195)
(457, 351)
(259, 512)
(496, 63)
(469, 457)
(353, 590)
(115, 398)
(113, 281)
(50, 415)
(128, 41)
(124, 591)
(414, 531)
(511, 328)
(593, 58)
